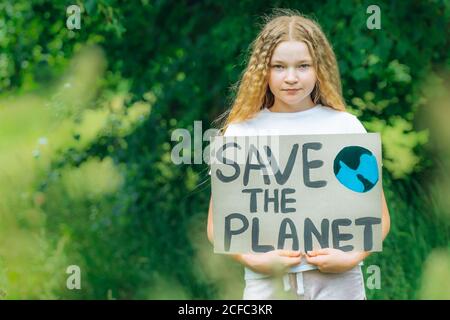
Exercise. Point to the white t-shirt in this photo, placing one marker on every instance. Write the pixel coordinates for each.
(316, 120)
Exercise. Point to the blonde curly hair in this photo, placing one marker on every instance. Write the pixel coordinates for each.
(253, 93)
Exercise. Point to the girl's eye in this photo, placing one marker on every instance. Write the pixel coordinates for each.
(304, 66)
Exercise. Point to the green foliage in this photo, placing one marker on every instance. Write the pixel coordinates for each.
(104, 193)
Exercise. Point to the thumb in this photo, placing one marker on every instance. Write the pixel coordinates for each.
(290, 261)
(288, 253)
(316, 260)
(318, 252)
(323, 251)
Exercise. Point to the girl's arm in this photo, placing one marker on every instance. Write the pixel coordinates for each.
(385, 218)
(210, 230)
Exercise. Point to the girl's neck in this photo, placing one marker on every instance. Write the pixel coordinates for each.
(280, 106)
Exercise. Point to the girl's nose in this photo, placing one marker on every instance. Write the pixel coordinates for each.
(291, 77)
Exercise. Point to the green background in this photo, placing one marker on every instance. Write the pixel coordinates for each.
(86, 118)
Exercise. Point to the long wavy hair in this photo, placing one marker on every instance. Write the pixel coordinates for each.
(253, 92)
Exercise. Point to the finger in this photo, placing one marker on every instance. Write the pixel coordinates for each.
(324, 251)
(318, 252)
(317, 260)
(311, 259)
(289, 253)
(289, 261)
(311, 253)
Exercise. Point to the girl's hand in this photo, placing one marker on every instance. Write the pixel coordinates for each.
(333, 260)
(273, 263)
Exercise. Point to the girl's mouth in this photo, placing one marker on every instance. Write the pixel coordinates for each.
(292, 90)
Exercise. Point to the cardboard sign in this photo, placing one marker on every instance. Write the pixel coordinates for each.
(296, 192)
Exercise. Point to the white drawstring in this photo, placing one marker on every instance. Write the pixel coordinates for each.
(286, 282)
(300, 287)
(299, 278)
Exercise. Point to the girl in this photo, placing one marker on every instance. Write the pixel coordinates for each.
(291, 86)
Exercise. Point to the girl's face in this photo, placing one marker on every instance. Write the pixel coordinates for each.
(292, 77)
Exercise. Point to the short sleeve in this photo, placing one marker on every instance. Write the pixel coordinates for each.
(236, 129)
(357, 126)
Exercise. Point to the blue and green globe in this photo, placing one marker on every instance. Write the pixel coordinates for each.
(356, 168)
